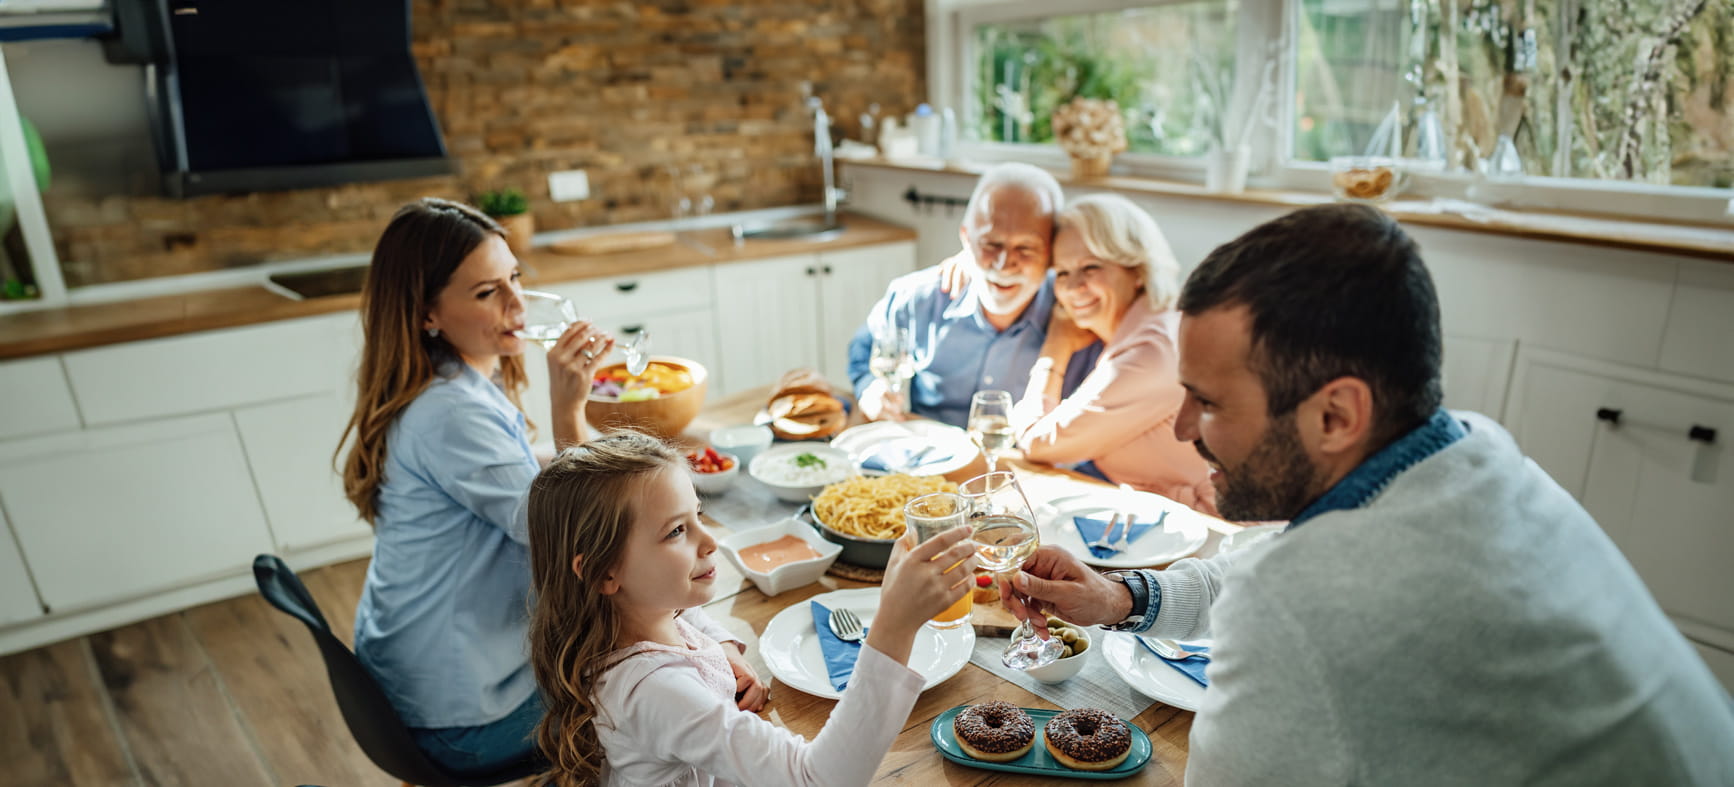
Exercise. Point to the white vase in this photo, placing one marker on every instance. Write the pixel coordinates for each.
(1225, 170)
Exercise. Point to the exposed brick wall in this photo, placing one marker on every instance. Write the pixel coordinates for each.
(625, 90)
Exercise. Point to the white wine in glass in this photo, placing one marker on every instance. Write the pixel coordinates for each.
(1005, 535)
(990, 425)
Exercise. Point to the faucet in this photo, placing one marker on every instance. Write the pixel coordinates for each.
(822, 149)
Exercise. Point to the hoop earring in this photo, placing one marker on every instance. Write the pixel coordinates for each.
(433, 333)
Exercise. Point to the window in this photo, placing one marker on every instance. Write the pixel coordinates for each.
(1168, 66)
(1635, 90)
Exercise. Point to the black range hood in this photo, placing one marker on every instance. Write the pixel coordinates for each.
(260, 96)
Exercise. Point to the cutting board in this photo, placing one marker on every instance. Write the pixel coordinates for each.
(612, 243)
(992, 620)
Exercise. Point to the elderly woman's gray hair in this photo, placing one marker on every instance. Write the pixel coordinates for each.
(1117, 231)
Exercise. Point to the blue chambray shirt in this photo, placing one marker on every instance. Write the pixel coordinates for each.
(443, 621)
(957, 352)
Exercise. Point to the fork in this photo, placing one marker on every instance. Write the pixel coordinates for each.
(1103, 542)
(1171, 651)
(845, 625)
(1123, 542)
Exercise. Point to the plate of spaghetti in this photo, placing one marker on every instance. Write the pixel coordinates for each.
(865, 513)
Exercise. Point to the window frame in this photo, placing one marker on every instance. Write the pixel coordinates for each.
(1267, 28)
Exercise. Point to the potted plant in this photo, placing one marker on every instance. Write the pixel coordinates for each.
(511, 209)
(1091, 131)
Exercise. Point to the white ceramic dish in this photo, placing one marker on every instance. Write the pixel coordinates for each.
(787, 576)
(742, 440)
(1150, 675)
(948, 442)
(1068, 667)
(790, 644)
(1248, 537)
(715, 483)
(1181, 534)
(765, 465)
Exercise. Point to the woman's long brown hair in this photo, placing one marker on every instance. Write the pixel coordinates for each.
(581, 504)
(424, 243)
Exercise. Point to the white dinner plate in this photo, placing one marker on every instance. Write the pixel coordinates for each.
(790, 644)
(860, 441)
(1150, 675)
(1181, 534)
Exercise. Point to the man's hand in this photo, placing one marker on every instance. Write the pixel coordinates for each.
(1055, 581)
(751, 691)
(880, 403)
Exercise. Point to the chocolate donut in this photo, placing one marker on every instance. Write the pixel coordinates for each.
(995, 731)
(1087, 739)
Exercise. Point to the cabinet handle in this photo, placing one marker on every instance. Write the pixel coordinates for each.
(1609, 415)
(626, 286)
(1696, 432)
(827, 270)
(631, 328)
(810, 270)
(1702, 434)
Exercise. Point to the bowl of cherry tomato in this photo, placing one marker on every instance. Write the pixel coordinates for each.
(713, 471)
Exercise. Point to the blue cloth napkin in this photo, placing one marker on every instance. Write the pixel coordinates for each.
(1091, 529)
(1190, 667)
(891, 456)
(839, 655)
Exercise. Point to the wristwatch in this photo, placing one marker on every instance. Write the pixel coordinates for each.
(1138, 584)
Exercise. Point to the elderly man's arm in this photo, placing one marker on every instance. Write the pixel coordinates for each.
(1173, 604)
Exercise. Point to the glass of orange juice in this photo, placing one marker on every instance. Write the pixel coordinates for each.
(928, 516)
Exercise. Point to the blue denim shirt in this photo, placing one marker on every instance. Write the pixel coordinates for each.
(957, 352)
(443, 622)
(1356, 489)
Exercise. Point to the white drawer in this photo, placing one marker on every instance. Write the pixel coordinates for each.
(1701, 322)
(618, 298)
(213, 370)
(34, 398)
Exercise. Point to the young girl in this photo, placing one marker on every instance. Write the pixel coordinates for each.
(638, 690)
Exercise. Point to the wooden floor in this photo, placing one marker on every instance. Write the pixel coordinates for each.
(232, 693)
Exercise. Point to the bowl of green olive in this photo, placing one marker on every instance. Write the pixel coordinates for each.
(1078, 646)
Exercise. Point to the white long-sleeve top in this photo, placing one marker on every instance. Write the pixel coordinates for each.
(668, 718)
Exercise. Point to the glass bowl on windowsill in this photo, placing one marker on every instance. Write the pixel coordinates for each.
(1369, 180)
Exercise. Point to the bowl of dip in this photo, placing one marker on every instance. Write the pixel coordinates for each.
(783, 556)
(797, 471)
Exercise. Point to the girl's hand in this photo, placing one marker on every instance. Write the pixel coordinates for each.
(752, 691)
(920, 582)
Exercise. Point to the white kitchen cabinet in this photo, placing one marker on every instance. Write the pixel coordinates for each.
(767, 319)
(34, 398)
(1660, 493)
(850, 282)
(213, 370)
(290, 447)
(1476, 373)
(107, 515)
(18, 601)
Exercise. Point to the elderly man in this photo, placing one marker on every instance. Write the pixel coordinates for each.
(992, 335)
(1438, 610)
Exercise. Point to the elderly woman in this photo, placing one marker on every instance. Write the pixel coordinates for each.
(1117, 278)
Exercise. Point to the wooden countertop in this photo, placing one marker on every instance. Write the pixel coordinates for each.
(80, 327)
(1709, 242)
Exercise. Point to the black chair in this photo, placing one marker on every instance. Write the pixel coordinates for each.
(371, 719)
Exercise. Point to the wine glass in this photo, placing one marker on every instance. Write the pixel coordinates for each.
(893, 358)
(1005, 536)
(547, 316)
(990, 424)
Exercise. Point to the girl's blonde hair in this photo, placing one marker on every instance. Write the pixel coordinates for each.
(416, 255)
(1116, 230)
(581, 504)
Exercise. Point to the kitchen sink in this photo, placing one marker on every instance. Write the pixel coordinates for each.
(811, 228)
(318, 284)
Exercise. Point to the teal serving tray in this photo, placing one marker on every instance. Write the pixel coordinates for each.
(1038, 761)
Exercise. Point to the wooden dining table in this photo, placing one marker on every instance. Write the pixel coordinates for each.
(745, 611)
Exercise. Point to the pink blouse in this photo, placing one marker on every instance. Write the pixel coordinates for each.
(1122, 416)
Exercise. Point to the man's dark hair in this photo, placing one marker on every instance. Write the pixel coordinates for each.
(1333, 291)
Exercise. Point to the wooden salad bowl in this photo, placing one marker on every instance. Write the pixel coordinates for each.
(666, 417)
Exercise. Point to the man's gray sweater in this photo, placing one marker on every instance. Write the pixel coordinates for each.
(1470, 624)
